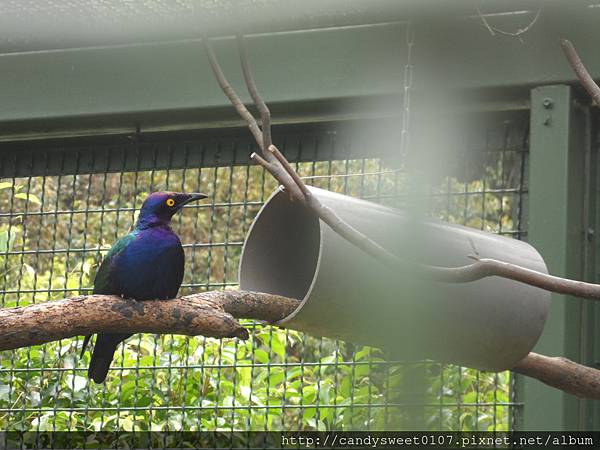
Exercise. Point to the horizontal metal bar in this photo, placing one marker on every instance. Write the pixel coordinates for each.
(506, 191)
(80, 92)
(183, 22)
(266, 406)
(123, 209)
(230, 366)
(88, 290)
(81, 86)
(45, 251)
(445, 194)
(192, 246)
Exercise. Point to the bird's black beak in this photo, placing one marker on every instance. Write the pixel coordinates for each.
(184, 199)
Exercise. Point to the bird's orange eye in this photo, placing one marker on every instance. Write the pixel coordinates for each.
(170, 202)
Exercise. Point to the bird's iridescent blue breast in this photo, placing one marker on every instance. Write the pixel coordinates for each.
(146, 264)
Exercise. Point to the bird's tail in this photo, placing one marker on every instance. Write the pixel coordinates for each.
(104, 350)
(86, 339)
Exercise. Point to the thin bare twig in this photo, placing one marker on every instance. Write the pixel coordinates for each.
(517, 34)
(277, 165)
(290, 170)
(235, 100)
(268, 160)
(485, 267)
(580, 70)
(485, 22)
(296, 187)
(336, 223)
(262, 107)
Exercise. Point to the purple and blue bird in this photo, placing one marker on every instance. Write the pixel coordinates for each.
(146, 264)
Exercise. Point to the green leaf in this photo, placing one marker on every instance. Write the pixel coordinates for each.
(470, 397)
(309, 413)
(261, 356)
(278, 344)
(7, 239)
(29, 270)
(28, 197)
(277, 376)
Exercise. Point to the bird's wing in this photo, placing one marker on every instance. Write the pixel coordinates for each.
(102, 281)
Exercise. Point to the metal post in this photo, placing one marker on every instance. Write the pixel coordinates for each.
(557, 228)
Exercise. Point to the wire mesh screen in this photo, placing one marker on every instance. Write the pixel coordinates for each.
(64, 204)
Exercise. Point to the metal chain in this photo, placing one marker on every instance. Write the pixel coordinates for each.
(408, 78)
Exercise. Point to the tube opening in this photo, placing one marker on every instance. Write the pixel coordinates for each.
(281, 252)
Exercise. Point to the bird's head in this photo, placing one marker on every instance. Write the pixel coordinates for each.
(159, 207)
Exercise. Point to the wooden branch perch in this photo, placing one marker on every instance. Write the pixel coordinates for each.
(213, 314)
(210, 314)
(561, 373)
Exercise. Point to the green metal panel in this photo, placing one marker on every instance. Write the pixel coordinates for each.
(60, 24)
(168, 85)
(172, 82)
(592, 310)
(469, 56)
(590, 417)
(556, 228)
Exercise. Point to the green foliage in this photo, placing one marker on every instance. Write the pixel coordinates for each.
(54, 239)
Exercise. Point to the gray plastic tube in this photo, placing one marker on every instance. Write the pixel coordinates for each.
(487, 324)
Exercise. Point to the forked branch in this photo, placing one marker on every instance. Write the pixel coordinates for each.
(263, 109)
(560, 373)
(268, 160)
(279, 167)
